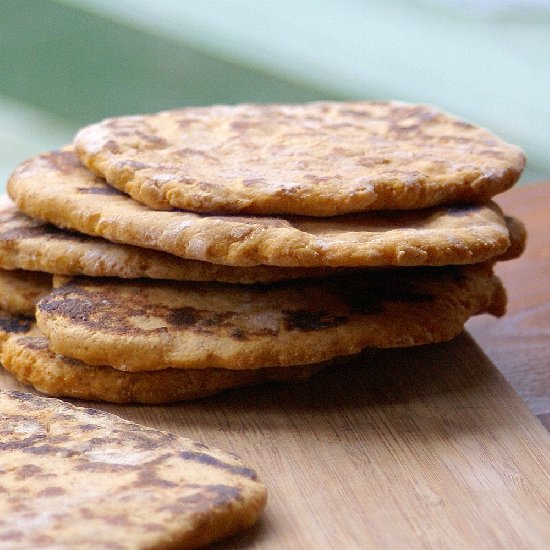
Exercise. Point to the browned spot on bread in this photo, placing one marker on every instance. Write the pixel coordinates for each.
(74, 308)
(10, 237)
(203, 497)
(238, 334)
(463, 125)
(119, 520)
(205, 458)
(108, 315)
(20, 233)
(190, 152)
(12, 535)
(356, 113)
(365, 300)
(13, 324)
(64, 162)
(148, 141)
(184, 316)
(51, 492)
(243, 126)
(312, 320)
(112, 146)
(34, 342)
(28, 470)
(21, 444)
(44, 540)
(253, 181)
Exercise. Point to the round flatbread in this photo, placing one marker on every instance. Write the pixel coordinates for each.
(137, 326)
(20, 290)
(27, 243)
(30, 360)
(54, 187)
(86, 479)
(316, 159)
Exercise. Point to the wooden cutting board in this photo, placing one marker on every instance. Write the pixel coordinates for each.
(419, 448)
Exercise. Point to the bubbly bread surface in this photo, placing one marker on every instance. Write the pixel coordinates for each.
(315, 159)
(56, 188)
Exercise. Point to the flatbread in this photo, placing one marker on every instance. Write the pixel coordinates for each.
(148, 325)
(30, 360)
(31, 244)
(55, 188)
(20, 290)
(86, 479)
(316, 159)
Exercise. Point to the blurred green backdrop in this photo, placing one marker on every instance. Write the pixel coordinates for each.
(67, 63)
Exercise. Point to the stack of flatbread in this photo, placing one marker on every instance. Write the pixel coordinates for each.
(170, 256)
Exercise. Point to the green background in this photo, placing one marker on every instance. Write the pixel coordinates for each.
(68, 63)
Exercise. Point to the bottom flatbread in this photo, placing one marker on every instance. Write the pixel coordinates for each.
(86, 479)
(29, 359)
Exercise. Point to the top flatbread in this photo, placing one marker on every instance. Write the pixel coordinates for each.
(54, 187)
(86, 479)
(317, 159)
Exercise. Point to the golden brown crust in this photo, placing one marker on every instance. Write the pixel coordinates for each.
(316, 159)
(30, 360)
(55, 188)
(150, 325)
(83, 478)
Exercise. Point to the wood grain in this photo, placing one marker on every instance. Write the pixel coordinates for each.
(419, 448)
